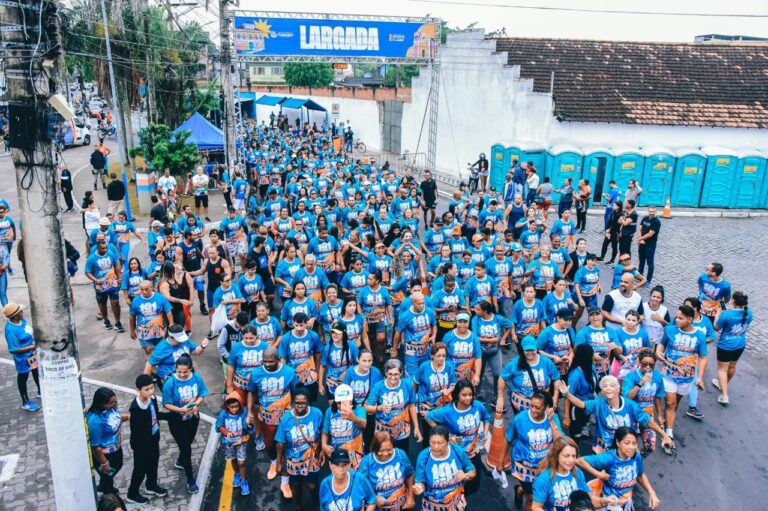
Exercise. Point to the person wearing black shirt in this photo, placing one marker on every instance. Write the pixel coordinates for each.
(612, 232)
(650, 226)
(158, 211)
(482, 168)
(145, 440)
(98, 162)
(429, 195)
(115, 194)
(628, 224)
(65, 183)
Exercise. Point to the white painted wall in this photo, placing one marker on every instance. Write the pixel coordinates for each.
(483, 101)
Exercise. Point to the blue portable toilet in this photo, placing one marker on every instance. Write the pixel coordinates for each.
(750, 174)
(719, 177)
(597, 167)
(563, 162)
(536, 153)
(627, 165)
(499, 164)
(689, 177)
(658, 171)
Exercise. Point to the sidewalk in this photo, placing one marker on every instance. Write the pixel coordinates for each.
(29, 485)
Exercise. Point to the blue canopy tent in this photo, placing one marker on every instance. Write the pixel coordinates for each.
(270, 100)
(204, 135)
(306, 104)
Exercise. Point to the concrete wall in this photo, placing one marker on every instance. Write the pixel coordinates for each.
(483, 101)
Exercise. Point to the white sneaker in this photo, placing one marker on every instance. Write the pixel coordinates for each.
(723, 400)
(504, 482)
(716, 383)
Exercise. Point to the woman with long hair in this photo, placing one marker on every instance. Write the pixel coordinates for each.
(655, 315)
(362, 378)
(492, 329)
(619, 470)
(525, 374)
(732, 324)
(612, 232)
(104, 424)
(335, 360)
(559, 477)
(176, 285)
(390, 473)
(645, 386)
(299, 302)
(354, 323)
(582, 382)
(434, 382)
(132, 277)
(631, 339)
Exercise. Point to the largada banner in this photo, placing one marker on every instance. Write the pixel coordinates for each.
(271, 36)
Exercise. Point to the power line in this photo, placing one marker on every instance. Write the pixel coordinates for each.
(591, 11)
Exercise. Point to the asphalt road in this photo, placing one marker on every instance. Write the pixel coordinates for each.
(721, 462)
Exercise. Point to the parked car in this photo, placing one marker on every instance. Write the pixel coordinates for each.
(75, 132)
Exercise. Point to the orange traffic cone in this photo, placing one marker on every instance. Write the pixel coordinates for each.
(497, 447)
(667, 213)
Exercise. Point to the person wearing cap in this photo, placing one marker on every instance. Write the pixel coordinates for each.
(300, 348)
(345, 489)
(524, 374)
(343, 425)
(337, 357)
(234, 228)
(105, 229)
(232, 425)
(162, 360)
(103, 269)
(150, 312)
(557, 341)
(602, 340)
(23, 348)
(299, 453)
(457, 243)
(480, 253)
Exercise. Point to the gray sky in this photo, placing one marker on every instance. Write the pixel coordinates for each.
(495, 14)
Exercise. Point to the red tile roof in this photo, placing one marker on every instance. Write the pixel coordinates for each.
(717, 85)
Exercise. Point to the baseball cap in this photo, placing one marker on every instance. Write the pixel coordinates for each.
(156, 223)
(438, 221)
(528, 343)
(462, 316)
(104, 221)
(338, 328)
(594, 310)
(343, 393)
(339, 456)
(516, 247)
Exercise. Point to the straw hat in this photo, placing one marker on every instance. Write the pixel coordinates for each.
(12, 309)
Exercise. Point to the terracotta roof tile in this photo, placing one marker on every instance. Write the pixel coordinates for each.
(722, 85)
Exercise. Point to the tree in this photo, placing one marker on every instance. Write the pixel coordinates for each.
(163, 150)
(308, 75)
(405, 73)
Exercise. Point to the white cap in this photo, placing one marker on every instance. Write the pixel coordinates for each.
(343, 393)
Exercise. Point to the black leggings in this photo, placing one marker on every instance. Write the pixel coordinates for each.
(107, 482)
(184, 433)
(581, 219)
(21, 382)
(613, 242)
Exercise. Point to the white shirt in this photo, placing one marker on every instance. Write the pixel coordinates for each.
(622, 305)
(166, 183)
(533, 181)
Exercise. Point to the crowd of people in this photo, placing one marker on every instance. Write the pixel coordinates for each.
(359, 326)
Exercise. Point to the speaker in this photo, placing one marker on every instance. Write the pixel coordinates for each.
(22, 131)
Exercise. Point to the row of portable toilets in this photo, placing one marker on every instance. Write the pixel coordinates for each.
(707, 177)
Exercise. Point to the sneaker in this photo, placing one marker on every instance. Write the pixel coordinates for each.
(203, 311)
(192, 487)
(716, 383)
(259, 442)
(107, 324)
(157, 490)
(119, 328)
(720, 399)
(138, 499)
(210, 335)
(694, 413)
(39, 395)
(30, 406)
(236, 481)
(272, 472)
(207, 219)
(244, 488)
(670, 449)
(286, 489)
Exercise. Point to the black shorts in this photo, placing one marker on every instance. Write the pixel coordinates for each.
(429, 205)
(729, 355)
(201, 199)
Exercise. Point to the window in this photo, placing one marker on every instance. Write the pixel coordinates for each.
(277, 71)
(260, 71)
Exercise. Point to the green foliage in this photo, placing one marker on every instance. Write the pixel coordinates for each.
(156, 146)
(308, 75)
(404, 73)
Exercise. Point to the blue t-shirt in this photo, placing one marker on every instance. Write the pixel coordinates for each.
(431, 383)
(683, 349)
(336, 362)
(149, 314)
(579, 386)
(468, 424)
(387, 478)
(344, 433)
(733, 326)
(553, 490)
(362, 383)
(354, 282)
(357, 495)
(222, 295)
(102, 267)
(462, 352)
(250, 288)
(416, 328)
(608, 420)
(530, 440)
(711, 293)
(235, 425)
(286, 271)
(556, 342)
(19, 336)
(438, 475)
(648, 393)
(518, 380)
(490, 331)
(300, 435)
(274, 391)
(480, 290)
(587, 280)
(268, 331)
(299, 353)
(182, 393)
(528, 318)
(104, 430)
(398, 420)
(373, 304)
(622, 474)
(244, 359)
(552, 304)
(165, 355)
(292, 307)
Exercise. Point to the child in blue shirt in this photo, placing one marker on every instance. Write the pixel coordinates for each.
(235, 432)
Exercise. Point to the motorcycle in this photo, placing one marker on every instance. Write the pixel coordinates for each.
(107, 131)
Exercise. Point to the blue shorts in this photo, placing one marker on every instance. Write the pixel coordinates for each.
(380, 327)
(199, 282)
(590, 301)
(209, 298)
(112, 296)
(146, 343)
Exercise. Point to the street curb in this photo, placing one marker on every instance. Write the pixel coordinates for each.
(203, 472)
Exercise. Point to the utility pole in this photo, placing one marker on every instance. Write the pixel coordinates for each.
(150, 83)
(226, 83)
(117, 105)
(32, 66)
